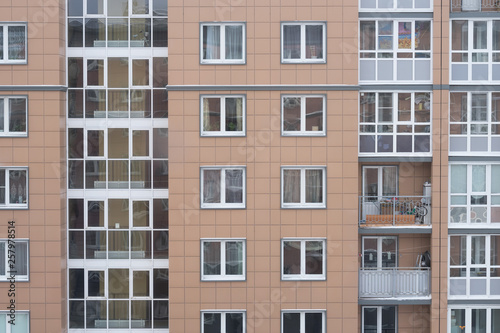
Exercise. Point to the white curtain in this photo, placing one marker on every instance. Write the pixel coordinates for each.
(17, 41)
(314, 41)
(389, 179)
(478, 178)
(211, 186)
(234, 186)
(21, 258)
(314, 186)
(291, 186)
(291, 42)
(211, 42)
(234, 42)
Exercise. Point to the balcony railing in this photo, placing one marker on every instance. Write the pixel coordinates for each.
(475, 5)
(394, 282)
(397, 211)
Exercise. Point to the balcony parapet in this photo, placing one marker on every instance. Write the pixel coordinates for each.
(475, 5)
(394, 282)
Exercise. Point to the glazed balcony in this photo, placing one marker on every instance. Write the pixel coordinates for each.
(395, 282)
(475, 5)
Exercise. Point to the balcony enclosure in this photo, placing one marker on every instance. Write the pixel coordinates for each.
(475, 6)
(392, 267)
(396, 195)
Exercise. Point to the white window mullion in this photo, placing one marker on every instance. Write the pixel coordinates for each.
(303, 258)
(222, 42)
(302, 322)
(223, 114)
(303, 186)
(223, 186)
(223, 258)
(303, 42)
(302, 114)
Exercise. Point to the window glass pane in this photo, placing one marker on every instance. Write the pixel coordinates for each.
(95, 6)
(160, 244)
(75, 143)
(370, 252)
(160, 72)
(118, 103)
(385, 35)
(234, 42)
(457, 250)
(95, 32)
(118, 215)
(480, 35)
(75, 213)
(118, 281)
(367, 108)
(459, 177)
(95, 103)
(118, 244)
(95, 72)
(160, 142)
(211, 42)
(367, 35)
(140, 103)
(140, 174)
(22, 323)
(422, 107)
(17, 115)
(1, 43)
(141, 7)
(385, 107)
(75, 8)
(17, 183)
(314, 322)
(95, 214)
(390, 180)
(423, 35)
(314, 41)
(291, 186)
(160, 213)
(479, 106)
(141, 244)
(291, 257)
(369, 320)
(495, 179)
(211, 323)
(95, 143)
(75, 32)
(291, 42)
(314, 186)
(95, 283)
(234, 322)
(140, 32)
(160, 314)
(478, 250)
(160, 32)
(404, 106)
(496, 35)
(478, 178)
(140, 143)
(495, 320)
(160, 283)
(2, 257)
(405, 35)
(2, 186)
(460, 32)
(96, 313)
(234, 114)
(2, 112)
(141, 314)
(292, 113)
(211, 114)
(22, 255)
(118, 73)
(118, 314)
(117, 32)
(389, 319)
(160, 103)
(95, 244)
(160, 174)
(140, 213)
(211, 186)
(234, 186)
(160, 8)
(17, 42)
(140, 72)
(314, 257)
(314, 114)
(211, 258)
(118, 174)
(141, 283)
(76, 244)
(291, 322)
(117, 7)
(478, 321)
(118, 143)
(234, 258)
(76, 314)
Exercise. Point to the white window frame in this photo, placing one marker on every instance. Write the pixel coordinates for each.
(223, 319)
(222, 43)
(223, 276)
(302, 203)
(468, 316)
(6, 117)
(491, 66)
(303, 275)
(373, 6)
(5, 59)
(379, 318)
(487, 267)
(222, 131)
(382, 128)
(469, 123)
(302, 319)
(8, 204)
(8, 328)
(378, 53)
(303, 131)
(469, 194)
(303, 58)
(222, 204)
(14, 254)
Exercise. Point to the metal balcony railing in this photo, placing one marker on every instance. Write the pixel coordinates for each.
(394, 282)
(397, 211)
(475, 5)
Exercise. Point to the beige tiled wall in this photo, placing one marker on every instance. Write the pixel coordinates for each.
(44, 153)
